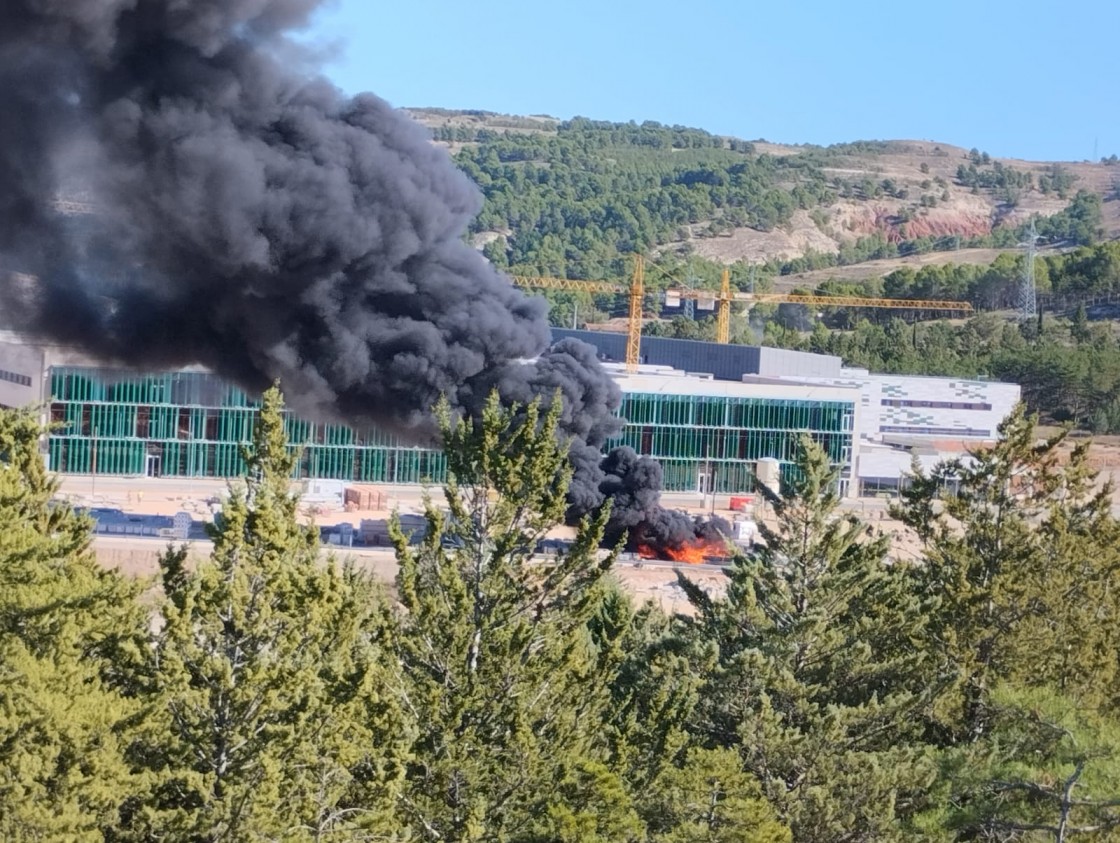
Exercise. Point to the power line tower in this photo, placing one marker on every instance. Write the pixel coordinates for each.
(1028, 291)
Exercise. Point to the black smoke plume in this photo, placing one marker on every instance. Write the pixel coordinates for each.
(633, 483)
(247, 217)
(251, 218)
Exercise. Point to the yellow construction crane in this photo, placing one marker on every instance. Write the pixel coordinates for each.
(636, 290)
(724, 297)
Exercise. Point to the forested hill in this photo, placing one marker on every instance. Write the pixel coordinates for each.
(574, 197)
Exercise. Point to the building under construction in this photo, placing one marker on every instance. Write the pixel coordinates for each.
(711, 431)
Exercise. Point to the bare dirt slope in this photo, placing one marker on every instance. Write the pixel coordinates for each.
(921, 171)
(926, 200)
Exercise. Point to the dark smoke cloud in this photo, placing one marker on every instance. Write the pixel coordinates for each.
(251, 218)
(633, 483)
(248, 218)
(589, 404)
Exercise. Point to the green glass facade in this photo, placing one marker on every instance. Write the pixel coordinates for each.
(723, 437)
(192, 424)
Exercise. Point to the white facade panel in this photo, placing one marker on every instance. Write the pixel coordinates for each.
(933, 407)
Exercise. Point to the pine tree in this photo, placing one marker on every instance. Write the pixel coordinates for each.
(710, 799)
(71, 636)
(655, 686)
(1019, 573)
(817, 680)
(1070, 638)
(281, 721)
(681, 792)
(499, 665)
(1079, 326)
(1051, 771)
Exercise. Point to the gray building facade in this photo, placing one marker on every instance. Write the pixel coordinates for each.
(723, 362)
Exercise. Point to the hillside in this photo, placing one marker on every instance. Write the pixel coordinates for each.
(573, 197)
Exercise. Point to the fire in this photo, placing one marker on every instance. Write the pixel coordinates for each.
(695, 552)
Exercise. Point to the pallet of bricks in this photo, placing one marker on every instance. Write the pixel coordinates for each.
(365, 499)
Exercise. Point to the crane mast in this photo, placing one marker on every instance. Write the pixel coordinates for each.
(634, 325)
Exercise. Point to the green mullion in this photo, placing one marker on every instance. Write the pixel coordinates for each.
(733, 477)
(235, 425)
(298, 431)
(113, 421)
(404, 466)
(108, 456)
(81, 452)
(680, 475)
(236, 397)
(55, 449)
(196, 459)
(227, 460)
(73, 417)
(174, 459)
(433, 466)
(162, 422)
(372, 465)
(336, 434)
(343, 463)
(196, 423)
(331, 462)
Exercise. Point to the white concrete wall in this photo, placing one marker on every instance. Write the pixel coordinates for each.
(940, 408)
(22, 371)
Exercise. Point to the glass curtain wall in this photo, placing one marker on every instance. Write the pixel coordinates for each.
(712, 443)
(192, 424)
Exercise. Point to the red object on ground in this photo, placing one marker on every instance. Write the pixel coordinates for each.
(741, 503)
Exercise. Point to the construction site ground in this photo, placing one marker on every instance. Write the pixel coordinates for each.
(645, 579)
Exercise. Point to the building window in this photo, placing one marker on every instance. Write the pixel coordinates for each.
(13, 377)
(936, 431)
(936, 405)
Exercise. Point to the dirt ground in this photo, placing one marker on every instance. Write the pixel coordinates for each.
(138, 557)
(962, 212)
(645, 580)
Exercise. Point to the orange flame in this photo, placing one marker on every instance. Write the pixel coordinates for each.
(695, 552)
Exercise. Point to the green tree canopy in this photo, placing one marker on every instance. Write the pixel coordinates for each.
(71, 647)
(817, 682)
(280, 714)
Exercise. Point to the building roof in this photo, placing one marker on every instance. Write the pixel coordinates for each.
(723, 361)
(670, 382)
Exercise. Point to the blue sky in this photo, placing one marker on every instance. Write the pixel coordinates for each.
(1037, 80)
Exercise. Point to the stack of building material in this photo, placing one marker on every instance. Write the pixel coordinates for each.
(375, 531)
(365, 498)
(323, 493)
(181, 525)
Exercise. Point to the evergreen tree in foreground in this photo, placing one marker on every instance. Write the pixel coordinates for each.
(497, 660)
(682, 792)
(1020, 572)
(280, 720)
(818, 677)
(548, 709)
(1048, 771)
(71, 638)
